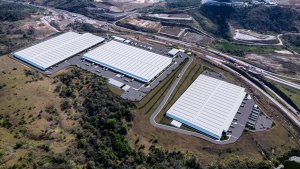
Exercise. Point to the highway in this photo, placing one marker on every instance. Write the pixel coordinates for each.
(279, 105)
(265, 73)
(282, 81)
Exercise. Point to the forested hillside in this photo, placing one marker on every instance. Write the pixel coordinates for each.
(259, 18)
(14, 12)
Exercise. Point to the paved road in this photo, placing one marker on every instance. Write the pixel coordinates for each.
(178, 130)
(289, 33)
(265, 73)
(163, 103)
(287, 77)
(279, 105)
(282, 81)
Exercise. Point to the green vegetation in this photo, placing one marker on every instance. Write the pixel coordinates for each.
(151, 100)
(292, 41)
(192, 72)
(12, 35)
(51, 110)
(115, 90)
(268, 18)
(5, 121)
(285, 159)
(219, 16)
(240, 50)
(19, 144)
(291, 93)
(105, 123)
(85, 27)
(76, 6)
(182, 3)
(215, 19)
(14, 12)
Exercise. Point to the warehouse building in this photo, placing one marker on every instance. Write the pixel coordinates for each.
(57, 49)
(209, 105)
(134, 62)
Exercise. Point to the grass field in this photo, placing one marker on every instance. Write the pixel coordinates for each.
(241, 50)
(292, 93)
(152, 97)
(115, 90)
(23, 100)
(190, 75)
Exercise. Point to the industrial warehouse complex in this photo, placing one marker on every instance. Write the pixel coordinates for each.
(55, 50)
(128, 65)
(134, 62)
(209, 105)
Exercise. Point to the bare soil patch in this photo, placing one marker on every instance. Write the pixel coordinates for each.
(279, 63)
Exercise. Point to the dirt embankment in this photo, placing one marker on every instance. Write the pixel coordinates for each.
(280, 63)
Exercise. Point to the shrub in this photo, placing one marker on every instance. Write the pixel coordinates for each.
(51, 110)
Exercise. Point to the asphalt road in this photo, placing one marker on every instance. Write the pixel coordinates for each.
(265, 73)
(178, 130)
(282, 81)
(284, 110)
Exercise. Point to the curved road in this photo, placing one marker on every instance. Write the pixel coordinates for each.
(173, 129)
(162, 104)
(231, 139)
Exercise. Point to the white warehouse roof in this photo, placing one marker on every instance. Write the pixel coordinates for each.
(208, 105)
(115, 82)
(129, 60)
(57, 49)
(173, 52)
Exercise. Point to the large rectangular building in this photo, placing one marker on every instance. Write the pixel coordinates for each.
(208, 105)
(57, 49)
(134, 62)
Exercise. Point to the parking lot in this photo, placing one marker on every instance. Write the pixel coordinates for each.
(263, 123)
(239, 122)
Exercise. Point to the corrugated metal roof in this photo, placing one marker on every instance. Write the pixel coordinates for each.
(131, 61)
(173, 51)
(208, 105)
(176, 123)
(55, 50)
(115, 82)
(118, 38)
(126, 87)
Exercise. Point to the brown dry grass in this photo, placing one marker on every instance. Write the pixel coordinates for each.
(249, 146)
(24, 98)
